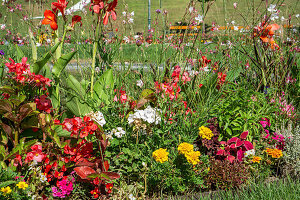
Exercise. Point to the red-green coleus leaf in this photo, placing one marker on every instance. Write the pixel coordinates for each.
(84, 171)
(240, 155)
(244, 135)
(232, 140)
(248, 145)
(230, 158)
(221, 152)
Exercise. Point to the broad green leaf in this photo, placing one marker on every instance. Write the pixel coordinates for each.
(75, 85)
(19, 52)
(37, 66)
(77, 106)
(33, 46)
(6, 183)
(61, 132)
(61, 63)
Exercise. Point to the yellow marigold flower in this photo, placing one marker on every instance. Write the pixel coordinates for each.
(205, 133)
(22, 185)
(256, 159)
(275, 153)
(193, 157)
(6, 190)
(185, 148)
(160, 155)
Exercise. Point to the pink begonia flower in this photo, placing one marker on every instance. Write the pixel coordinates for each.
(36, 154)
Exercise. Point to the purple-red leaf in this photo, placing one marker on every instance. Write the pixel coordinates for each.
(84, 171)
(84, 162)
(112, 175)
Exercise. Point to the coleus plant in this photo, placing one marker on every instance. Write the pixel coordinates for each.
(235, 148)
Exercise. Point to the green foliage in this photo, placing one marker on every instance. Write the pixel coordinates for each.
(240, 110)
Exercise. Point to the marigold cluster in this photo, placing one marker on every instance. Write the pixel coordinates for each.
(205, 133)
(256, 159)
(185, 148)
(188, 151)
(160, 155)
(275, 153)
(193, 157)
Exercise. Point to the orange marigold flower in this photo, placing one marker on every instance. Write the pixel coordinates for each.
(275, 153)
(256, 159)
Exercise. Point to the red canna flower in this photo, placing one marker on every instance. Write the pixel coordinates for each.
(76, 19)
(266, 33)
(50, 18)
(110, 12)
(60, 5)
(97, 5)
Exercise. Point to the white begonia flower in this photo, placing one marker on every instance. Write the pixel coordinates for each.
(136, 37)
(236, 28)
(249, 153)
(271, 8)
(118, 132)
(97, 117)
(43, 178)
(132, 13)
(149, 115)
(191, 9)
(297, 15)
(38, 44)
(233, 22)
(199, 18)
(124, 13)
(139, 83)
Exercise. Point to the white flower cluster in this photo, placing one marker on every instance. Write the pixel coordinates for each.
(118, 132)
(150, 115)
(249, 153)
(97, 117)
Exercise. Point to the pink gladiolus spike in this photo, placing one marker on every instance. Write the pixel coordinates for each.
(244, 135)
(248, 145)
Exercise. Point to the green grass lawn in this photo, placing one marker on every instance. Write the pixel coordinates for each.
(220, 12)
